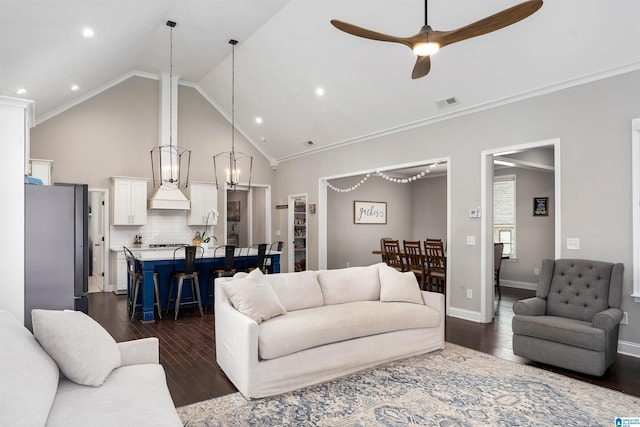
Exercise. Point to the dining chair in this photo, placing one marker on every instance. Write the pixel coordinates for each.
(436, 266)
(384, 258)
(415, 260)
(392, 255)
(498, 248)
(189, 273)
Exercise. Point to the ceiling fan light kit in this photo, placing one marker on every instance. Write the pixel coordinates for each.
(427, 41)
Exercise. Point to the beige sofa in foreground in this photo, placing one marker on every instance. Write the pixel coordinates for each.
(72, 373)
(280, 332)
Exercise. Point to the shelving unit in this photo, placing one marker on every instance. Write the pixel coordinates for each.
(298, 231)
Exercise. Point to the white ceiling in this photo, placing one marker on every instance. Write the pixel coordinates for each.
(287, 48)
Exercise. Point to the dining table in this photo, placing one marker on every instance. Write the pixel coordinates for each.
(165, 261)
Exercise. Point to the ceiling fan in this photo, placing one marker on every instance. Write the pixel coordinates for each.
(428, 41)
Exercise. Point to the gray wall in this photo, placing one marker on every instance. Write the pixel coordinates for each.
(534, 235)
(112, 133)
(592, 122)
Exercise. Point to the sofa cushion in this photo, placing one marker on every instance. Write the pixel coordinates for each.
(397, 286)
(560, 329)
(350, 284)
(296, 291)
(252, 296)
(134, 395)
(29, 376)
(83, 350)
(303, 329)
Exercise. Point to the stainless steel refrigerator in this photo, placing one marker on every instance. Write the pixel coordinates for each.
(56, 248)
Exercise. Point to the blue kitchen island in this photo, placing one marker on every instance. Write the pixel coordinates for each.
(162, 262)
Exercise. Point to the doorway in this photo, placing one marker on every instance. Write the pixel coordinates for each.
(98, 239)
(510, 163)
(247, 215)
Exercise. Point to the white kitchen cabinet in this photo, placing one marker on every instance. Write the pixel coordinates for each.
(204, 198)
(121, 274)
(129, 200)
(41, 169)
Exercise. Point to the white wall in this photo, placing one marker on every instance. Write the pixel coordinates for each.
(15, 117)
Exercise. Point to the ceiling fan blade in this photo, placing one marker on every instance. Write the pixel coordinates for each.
(367, 34)
(491, 23)
(422, 67)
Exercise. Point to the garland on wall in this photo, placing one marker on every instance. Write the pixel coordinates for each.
(386, 177)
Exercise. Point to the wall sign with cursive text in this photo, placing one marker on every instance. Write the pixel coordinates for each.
(369, 212)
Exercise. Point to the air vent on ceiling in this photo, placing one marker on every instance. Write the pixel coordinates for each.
(308, 143)
(447, 102)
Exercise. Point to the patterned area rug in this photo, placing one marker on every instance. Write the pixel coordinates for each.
(452, 387)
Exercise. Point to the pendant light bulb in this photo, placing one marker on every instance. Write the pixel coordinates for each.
(426, 49)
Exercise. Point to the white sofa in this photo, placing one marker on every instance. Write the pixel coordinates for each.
(280, 332)
(75, 374)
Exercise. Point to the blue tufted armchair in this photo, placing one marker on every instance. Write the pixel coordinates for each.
(573, 320)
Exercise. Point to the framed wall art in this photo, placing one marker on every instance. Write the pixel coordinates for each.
(365, 212)
(540, 206)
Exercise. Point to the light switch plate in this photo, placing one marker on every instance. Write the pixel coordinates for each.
(573, 243)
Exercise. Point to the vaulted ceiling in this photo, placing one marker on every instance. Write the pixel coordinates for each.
(287, 49)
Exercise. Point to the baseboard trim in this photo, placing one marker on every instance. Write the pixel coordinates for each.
(473, 316)
(629, 348)
(518, 285)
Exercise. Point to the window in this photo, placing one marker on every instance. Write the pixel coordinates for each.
(504, 213)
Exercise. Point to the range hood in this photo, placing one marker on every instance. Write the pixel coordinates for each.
(168, 195)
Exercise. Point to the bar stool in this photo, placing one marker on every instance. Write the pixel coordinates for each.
(227, 271)
(189, 273)
(275, 246)
(135, 279)
(260, 258)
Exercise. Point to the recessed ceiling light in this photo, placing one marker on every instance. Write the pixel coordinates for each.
(258, 120)
(87, 32)
(320, 91)
(75, 87)
(21, 91)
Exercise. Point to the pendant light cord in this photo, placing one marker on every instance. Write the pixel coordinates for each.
(426, 12)
(233, 94)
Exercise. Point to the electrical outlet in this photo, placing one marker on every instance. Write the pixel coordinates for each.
(471, 240)
(348, 264)
(573, 243)
(469, 293)
(536, 271)
(625, 319)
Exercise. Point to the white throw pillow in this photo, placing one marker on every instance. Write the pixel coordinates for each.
(253, 297)
(399, 287)
(84, 351)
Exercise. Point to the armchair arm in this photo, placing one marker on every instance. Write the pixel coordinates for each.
(608, 319)
(530, 307)
(434, 300)
(140, 351)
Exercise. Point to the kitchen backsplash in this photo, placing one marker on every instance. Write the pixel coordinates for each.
(163, 226)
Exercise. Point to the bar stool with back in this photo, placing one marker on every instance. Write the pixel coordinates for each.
(135, 279)
(189, 273)
(227, 270)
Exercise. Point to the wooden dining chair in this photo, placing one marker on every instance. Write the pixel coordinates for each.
(436, 266)
(384, 258)
(415, 260)
(392, 255)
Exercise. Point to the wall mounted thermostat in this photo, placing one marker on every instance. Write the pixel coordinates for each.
(474, 213)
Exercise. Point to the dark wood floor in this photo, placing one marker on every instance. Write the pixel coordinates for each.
(187, 346)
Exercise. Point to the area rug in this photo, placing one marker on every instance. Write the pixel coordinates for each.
(452, 387)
